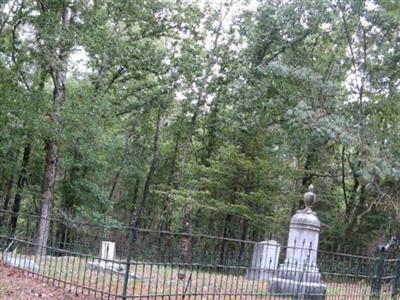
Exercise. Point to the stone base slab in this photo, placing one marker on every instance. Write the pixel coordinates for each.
(297, 289)
(21, 262)
(110, 268)
(260, 274)
(299, 273)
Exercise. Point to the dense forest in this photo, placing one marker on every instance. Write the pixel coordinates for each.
(202, 116)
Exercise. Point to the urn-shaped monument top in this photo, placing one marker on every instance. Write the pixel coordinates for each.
(309, 197)
(306, 218)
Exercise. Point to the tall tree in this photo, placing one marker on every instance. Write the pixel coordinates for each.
(55, 41)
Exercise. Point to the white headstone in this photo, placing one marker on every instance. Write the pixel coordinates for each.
(265, 260)
(107, 250)
(302, 247)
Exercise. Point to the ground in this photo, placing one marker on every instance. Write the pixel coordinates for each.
(17, 285)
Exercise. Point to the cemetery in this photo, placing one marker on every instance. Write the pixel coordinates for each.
(268, 269)
(199, 149)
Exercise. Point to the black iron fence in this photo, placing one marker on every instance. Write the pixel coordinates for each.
(150, 264)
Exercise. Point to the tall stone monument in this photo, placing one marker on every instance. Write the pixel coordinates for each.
(299, 276)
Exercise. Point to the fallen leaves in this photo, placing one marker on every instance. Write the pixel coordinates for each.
(18, 285)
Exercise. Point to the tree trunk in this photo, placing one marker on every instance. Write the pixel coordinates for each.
(48, 189)
(165, 239)
(7, 197)
(212, 129)
(222, 250)
(116, 177)
(185, 238)
(22, 180)
(132, 214)
(200, 100)
(243, 237)
(58, 71)
(352, 207)
(351, 218)
(114, 184)
(201, 94)
(150, 174)
(63, 237)
(64, 234)
(311, 159)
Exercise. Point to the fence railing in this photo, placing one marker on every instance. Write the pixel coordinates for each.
(151, 264)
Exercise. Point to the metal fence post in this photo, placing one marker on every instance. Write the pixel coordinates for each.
(376, 283)
(131, 240)
(396, 282)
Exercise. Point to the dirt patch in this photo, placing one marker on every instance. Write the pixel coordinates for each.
(16, 284)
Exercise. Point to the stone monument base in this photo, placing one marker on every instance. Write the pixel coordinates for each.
(260, 274)
(301, 273)
(297, 289)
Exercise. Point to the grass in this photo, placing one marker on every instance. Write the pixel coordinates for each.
(151, 281)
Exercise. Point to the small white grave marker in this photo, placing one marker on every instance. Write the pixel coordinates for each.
(265, 260)
(107, 250)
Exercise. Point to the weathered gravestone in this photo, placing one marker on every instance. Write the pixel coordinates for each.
(107, 262)
(107, 250)
(264, 261)
(106, 259)
(299, 276)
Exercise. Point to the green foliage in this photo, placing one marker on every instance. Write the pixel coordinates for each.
(251, 107)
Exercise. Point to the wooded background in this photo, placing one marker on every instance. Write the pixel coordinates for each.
(204, 117)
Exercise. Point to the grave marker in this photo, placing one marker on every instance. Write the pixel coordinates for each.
(299, 275)
(264, 261)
